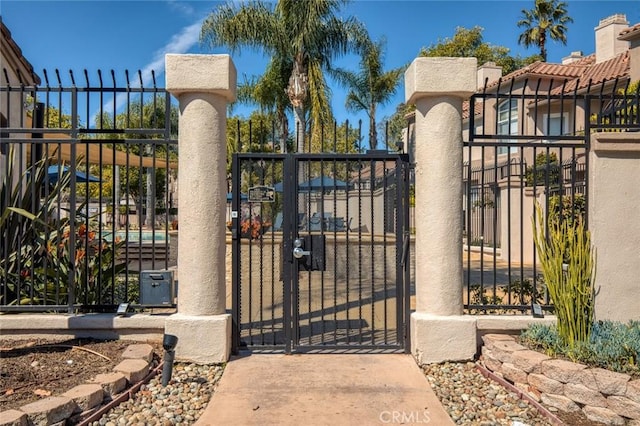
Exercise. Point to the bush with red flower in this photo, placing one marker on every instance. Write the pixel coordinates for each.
(252, 228)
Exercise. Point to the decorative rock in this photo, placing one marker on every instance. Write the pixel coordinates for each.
(470, 398)
(633, 390)
(610, 382)
(49, 410)
(139, 351)
(491, 363)
(504, 349)
(85, 396)
(490, 339)
(13, 418)
(545, 384)
(583, 395)
(515, 375)
(133, 369)
(180, 402)
(560, 369)
(603, 415)
(624, 406)
(585, 377)
(111, 383)
(528, 361)
(560, 402)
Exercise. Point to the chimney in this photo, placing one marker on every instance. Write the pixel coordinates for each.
(489, 71)
(607, 44)
(573, 57)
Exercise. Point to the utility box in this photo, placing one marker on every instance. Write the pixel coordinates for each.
(156, 287)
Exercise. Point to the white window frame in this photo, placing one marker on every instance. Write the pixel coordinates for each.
(546, 120)
(510, 120)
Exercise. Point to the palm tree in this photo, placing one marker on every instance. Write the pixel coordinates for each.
(302, 38)
(370, 86)
(548, 17)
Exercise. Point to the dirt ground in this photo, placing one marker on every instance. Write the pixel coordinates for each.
(35, 369)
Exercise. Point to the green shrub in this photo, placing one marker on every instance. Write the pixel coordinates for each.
(612, 345)
(545, 171)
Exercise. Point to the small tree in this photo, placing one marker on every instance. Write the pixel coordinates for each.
(545, 171)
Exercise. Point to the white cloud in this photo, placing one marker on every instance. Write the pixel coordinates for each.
(179, 43)
(181, 7)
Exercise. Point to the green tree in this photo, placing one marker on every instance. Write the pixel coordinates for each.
(547, 18)
(143, 113)
(269, 94)
(371, 85)
(397, 123)
(302, 38)
(469, 43)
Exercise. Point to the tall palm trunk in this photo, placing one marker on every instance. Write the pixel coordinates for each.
(373, 132)
(543, 45)
(297, 92)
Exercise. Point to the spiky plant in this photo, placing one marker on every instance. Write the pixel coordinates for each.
(568, 266)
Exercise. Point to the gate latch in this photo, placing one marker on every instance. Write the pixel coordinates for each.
(298, 251)
(310, 252)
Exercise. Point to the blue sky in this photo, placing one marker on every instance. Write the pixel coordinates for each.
(135, 35)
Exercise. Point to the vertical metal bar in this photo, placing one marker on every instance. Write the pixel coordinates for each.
(290, 229)
(404, 226)
(72, 196)
(235, 255)
(587, 146)
(373, 177)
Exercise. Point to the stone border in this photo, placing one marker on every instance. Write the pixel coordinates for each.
(82, 399)
(602, 395)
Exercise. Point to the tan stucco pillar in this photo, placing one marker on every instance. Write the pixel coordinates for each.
(614, 222)
(203, 84)
(437, 86)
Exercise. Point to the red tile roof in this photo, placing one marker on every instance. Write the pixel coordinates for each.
(546, 69)
(630, 33)
(595, 74)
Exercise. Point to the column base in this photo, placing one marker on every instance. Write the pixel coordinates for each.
(436, 338)
(201, 339)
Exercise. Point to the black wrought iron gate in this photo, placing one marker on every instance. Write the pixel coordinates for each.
(320, 248)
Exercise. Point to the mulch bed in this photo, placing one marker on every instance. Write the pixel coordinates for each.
(35, 369)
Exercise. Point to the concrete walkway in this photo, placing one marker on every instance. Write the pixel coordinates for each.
(319, 389)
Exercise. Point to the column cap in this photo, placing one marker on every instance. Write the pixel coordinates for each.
(440, 77)
(612, 143)
(200, 73)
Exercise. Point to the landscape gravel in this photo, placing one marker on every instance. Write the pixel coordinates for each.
(468, 396)
(472, 399)
(181, 402)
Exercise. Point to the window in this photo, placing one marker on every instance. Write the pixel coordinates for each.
(555, 124)
(508, 123)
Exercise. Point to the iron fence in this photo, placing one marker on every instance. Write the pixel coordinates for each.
(527, 146)
(88, 191)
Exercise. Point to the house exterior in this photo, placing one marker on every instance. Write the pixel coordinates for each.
(539, 111)
(16, 69)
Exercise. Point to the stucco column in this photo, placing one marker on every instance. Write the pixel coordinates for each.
(614, 219)
(437, 87)
(203, 84)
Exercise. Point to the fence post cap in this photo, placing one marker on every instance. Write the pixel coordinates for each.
(440, 77)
